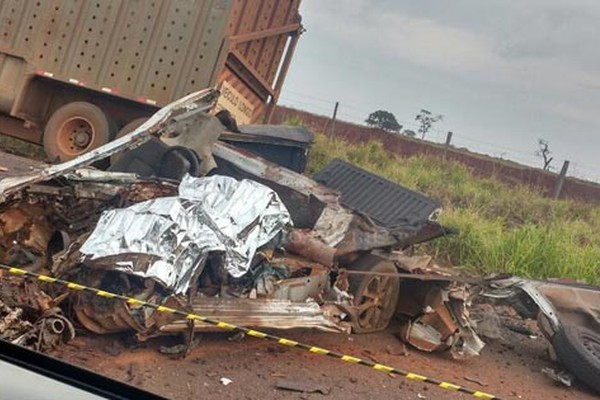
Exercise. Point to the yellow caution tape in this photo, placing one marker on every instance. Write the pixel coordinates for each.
(253, 333)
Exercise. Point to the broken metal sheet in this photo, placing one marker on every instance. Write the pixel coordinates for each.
(507, 288)
(575, 304)
(434, 331)
(439, 317)
(263, 313)
(562, 377)
(302, 288)
(94, 175)
(175, 234)
(336, 225)
(202, 100)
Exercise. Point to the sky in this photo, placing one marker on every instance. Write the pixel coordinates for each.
(502, 73)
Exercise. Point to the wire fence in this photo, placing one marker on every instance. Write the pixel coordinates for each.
(353, 113)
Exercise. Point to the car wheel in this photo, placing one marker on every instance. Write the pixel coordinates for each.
(375, 296)
(578, 349)
(74, 129)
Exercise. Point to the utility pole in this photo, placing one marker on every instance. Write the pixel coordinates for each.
(561, 179)
(335, 110)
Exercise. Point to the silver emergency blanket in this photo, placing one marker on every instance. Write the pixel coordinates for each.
(168, 239)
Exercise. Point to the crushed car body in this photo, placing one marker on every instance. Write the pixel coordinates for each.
(568, 315)
(220, 231)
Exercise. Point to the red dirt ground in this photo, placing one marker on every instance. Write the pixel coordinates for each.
(509, 368)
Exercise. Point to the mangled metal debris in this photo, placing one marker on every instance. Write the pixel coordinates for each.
(568, 315)
(170, 239)
(223, 245)
(29, 318)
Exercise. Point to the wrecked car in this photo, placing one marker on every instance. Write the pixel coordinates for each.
(568, 315)
(186, 221)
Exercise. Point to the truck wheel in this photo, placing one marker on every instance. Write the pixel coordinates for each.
(375, 296)
(578, 349)
(127, 128)
(74, 129)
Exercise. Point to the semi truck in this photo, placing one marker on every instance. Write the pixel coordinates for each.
(75, 74)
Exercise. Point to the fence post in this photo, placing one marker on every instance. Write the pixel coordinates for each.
(335, 110)
(561, 179)
(447, 146)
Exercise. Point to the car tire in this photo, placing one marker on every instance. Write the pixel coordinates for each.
(74, 129)
(578, 349)
(375, 296)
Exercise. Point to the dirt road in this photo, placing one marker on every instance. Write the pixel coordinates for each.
(509, 368)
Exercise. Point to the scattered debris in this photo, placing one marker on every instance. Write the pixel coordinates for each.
(12, 324)
(31, 320)
(47, 332)
(395, 351)
(225, 381)
(237, 337)
(562, 377)
(567, 314)
(302, 386)
(369, 354)
(477, 381)
(523, 330)
(488, 322)
(178, 349)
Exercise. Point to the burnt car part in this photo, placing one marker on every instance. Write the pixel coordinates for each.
(30, 317)
(254, 333)
(568, 315)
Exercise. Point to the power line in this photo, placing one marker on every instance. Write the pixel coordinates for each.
(356, 114)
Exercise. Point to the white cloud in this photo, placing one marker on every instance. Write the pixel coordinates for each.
(416, 40)
(458, 50)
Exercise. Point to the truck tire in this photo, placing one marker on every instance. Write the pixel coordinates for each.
(375, 296)
(74, 129)
(578, 349)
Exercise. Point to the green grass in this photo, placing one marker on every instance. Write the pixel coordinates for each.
(501, 228)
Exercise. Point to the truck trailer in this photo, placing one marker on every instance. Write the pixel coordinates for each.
(74, 74)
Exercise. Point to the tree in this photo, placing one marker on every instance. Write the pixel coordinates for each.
(544, 153)
(384, 120)
(427, 119)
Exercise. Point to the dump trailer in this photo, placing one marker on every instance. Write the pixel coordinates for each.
(76, 73)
